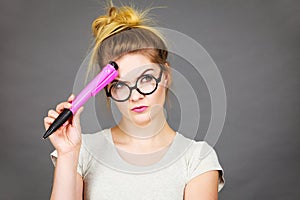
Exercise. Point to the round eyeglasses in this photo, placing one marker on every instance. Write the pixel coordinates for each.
(146, 84)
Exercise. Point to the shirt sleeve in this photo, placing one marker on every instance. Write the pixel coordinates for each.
(203, 158)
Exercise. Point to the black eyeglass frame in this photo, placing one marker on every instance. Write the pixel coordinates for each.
(157, 80)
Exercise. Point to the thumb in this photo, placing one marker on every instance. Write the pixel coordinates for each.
(76, 118)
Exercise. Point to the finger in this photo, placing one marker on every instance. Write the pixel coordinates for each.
(76, 118)
(48, 121)
(53, 114)
(60, 107)
(66, 123)
(71, 98)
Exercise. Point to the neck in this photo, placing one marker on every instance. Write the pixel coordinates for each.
(155, 134)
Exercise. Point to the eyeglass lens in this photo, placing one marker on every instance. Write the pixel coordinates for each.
(146, 84)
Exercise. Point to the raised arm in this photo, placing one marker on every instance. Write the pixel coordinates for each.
(67, 183)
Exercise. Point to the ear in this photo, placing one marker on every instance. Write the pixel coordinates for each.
(167, 75)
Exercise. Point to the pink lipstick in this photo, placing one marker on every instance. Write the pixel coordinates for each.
(139, 109)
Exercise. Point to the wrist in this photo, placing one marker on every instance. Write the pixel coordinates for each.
(70, 153)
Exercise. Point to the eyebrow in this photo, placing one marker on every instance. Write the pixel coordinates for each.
(115, 80)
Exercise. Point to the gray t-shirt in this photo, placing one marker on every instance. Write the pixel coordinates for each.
(107, 176)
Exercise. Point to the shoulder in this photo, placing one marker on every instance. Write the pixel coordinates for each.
(93, 145)
(100, 134)
(200, 150)
(196, 149)
(201, 157)
(93, 141)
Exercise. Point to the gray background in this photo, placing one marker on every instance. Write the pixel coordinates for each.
(255, 44)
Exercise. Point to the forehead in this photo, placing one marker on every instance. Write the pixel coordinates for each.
(132, 65)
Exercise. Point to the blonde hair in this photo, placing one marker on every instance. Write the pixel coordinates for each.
(126, 30)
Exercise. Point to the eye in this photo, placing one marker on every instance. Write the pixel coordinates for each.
(146, 78)
(119, 85)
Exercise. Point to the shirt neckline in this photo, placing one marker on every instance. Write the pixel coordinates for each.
(102, 149)
(117, 155)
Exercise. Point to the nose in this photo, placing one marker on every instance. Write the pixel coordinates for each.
(135, 95)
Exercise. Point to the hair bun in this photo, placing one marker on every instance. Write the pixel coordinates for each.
(118, 18)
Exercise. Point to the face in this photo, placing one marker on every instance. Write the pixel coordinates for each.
(140, 109)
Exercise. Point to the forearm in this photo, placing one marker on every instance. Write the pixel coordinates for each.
(64, 183)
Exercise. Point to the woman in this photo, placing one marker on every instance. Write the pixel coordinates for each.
(141, 142)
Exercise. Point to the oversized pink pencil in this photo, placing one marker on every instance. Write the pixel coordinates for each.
(107, 75)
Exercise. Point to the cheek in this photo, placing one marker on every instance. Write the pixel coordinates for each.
(123, 108)
(159, 95)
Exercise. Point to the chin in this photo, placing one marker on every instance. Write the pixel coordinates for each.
(141, 120)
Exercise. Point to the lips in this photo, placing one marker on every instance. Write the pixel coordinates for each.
(139, 108)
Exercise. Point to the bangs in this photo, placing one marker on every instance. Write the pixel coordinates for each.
(134, 40)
